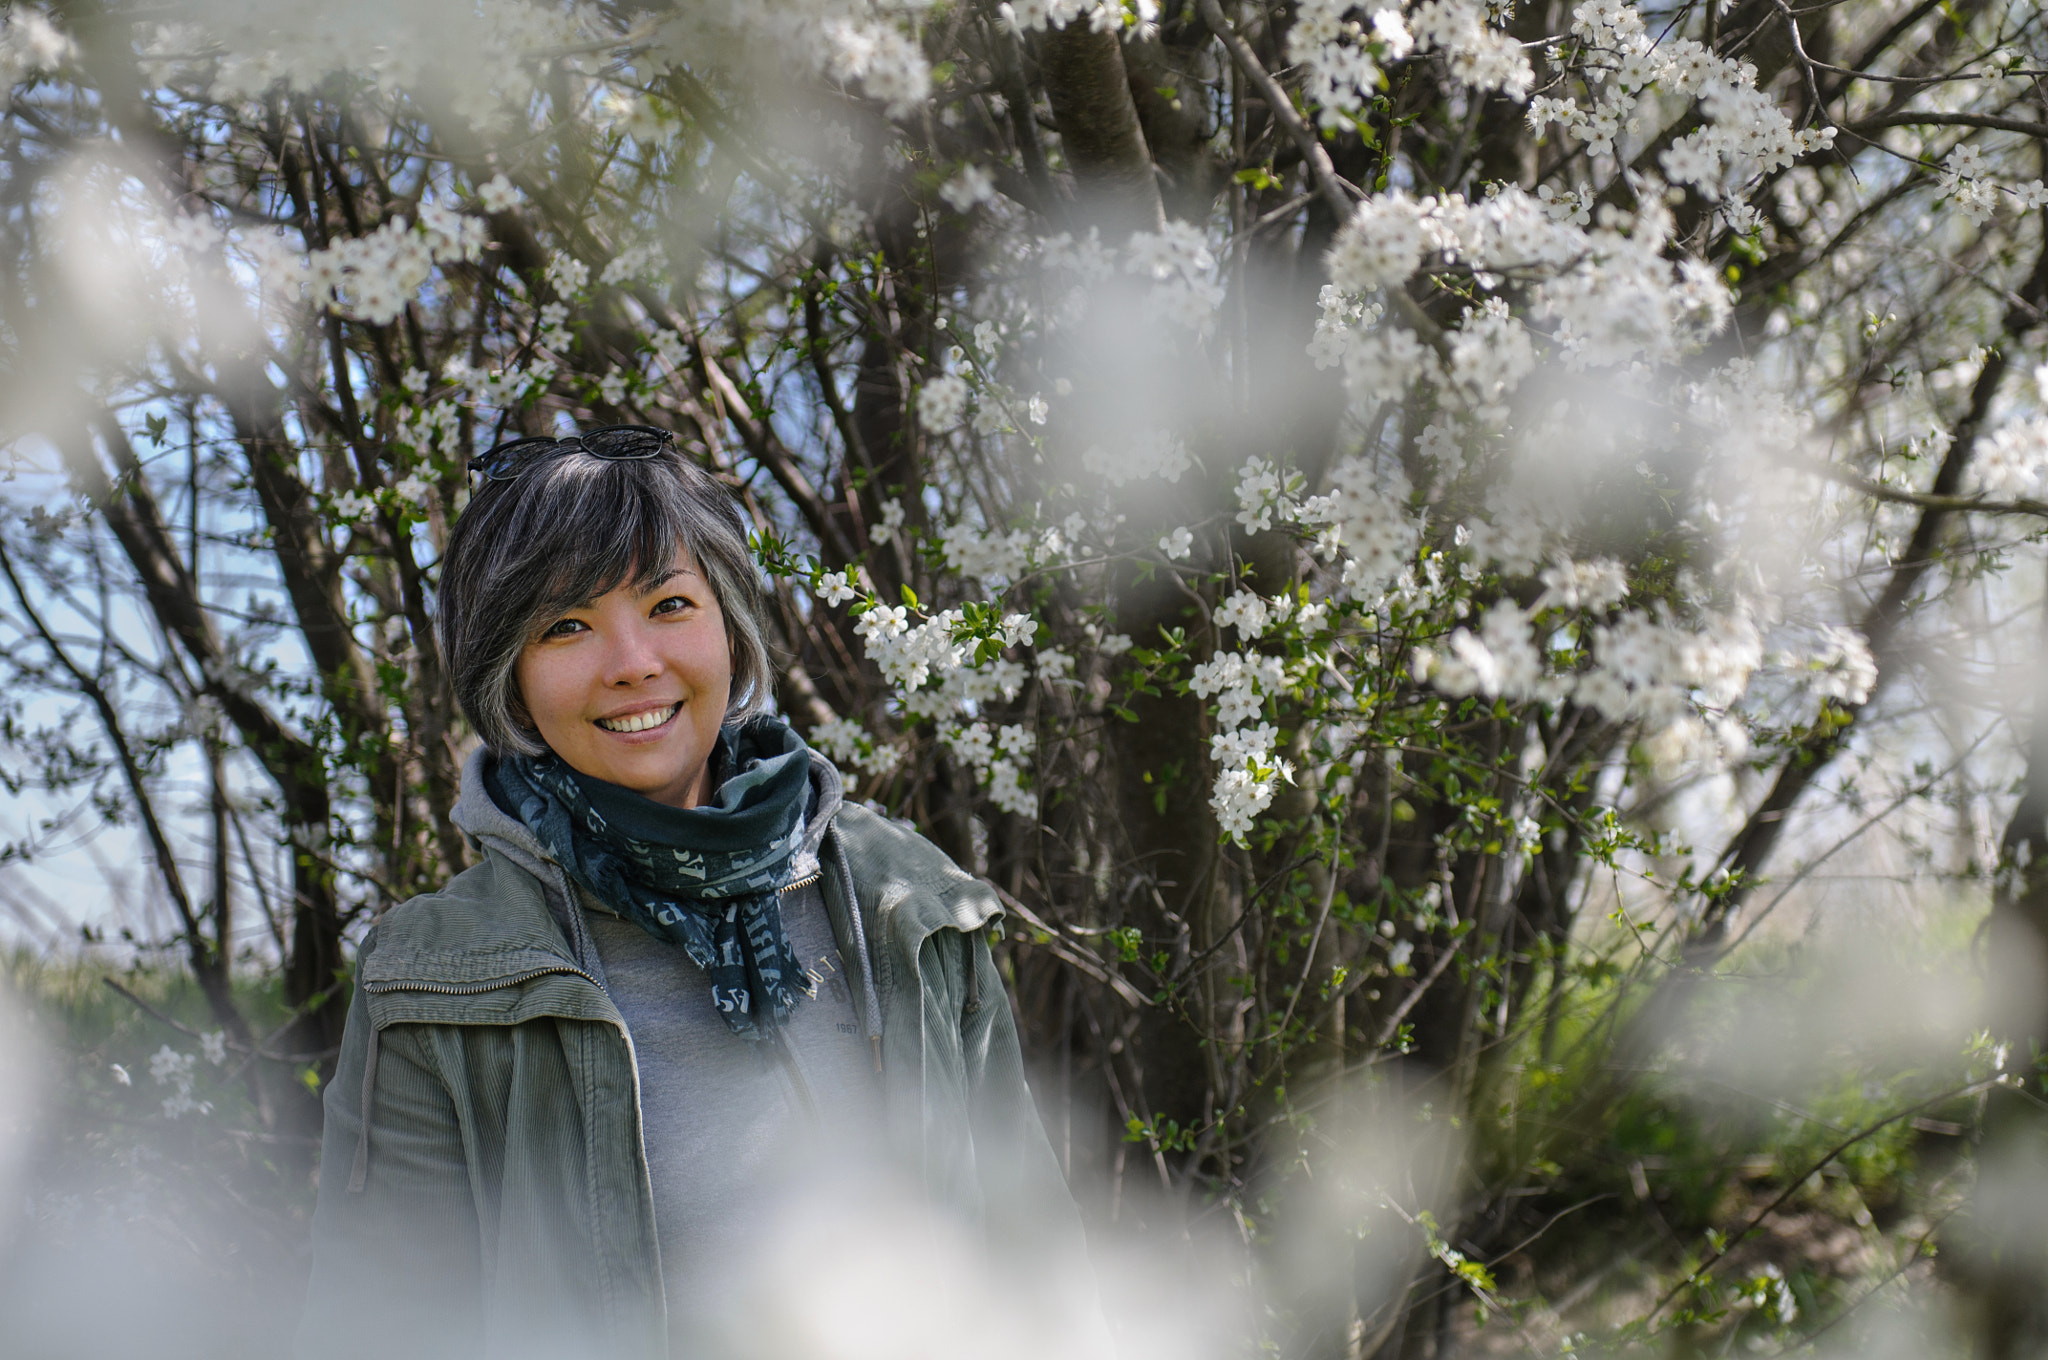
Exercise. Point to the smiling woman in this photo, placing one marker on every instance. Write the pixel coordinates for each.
(688, 1001)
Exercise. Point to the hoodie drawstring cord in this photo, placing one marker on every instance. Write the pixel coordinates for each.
(871, 1002)
(359, 1174)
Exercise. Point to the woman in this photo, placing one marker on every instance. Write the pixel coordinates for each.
(690, 1009)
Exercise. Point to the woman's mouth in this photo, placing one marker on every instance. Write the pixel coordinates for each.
(639, 722)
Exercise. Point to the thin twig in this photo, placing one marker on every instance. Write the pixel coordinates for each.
(1792, 1186)
(1080, 958)
(232, 1045)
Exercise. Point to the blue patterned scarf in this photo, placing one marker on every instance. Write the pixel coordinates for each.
(705, 878)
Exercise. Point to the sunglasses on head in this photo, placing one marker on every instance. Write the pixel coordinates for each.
(613, 443)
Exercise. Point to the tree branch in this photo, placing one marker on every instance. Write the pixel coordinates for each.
(209, 960)
(1328, 183)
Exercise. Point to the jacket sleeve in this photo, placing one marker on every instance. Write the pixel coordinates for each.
(397, 1268)
(1033, 1226)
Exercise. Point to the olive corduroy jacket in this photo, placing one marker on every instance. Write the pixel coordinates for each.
(484, 1190)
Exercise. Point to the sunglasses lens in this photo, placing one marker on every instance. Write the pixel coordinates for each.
(503, 462)
(625, 442)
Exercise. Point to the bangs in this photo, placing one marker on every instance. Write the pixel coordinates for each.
(592, 526)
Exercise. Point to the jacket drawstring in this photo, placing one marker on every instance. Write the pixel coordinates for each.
(359, 1175)
(973, 979)
(871, 1001)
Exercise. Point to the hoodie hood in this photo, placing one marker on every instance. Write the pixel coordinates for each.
(479, 817)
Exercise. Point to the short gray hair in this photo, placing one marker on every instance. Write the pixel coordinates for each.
(566, 528)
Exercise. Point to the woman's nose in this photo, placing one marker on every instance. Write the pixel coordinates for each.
(631, 658)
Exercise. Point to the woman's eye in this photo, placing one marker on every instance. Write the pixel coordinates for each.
(563, 628)
(672, 604)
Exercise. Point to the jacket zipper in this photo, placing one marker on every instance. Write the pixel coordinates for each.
(804, 882)
(472, 989)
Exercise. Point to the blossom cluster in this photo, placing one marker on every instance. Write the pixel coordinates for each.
(2013, 459)
(1646, 666)
(29, 43)
(1104, 16)
(395, 46)
(949, 665)
(1176, 259)
(1247, 773)
(997, 756)
(1612, 296)
(372, 278)
(499, 387)
(870, 45)
(851, 746)
(995, 558)
(1342, 57)
(935, 665)
(1154, 453)
(1966, 182)
(179, 1071)
(1175, 262)
(1743, 132)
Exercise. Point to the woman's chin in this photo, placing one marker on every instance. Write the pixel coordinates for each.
(672, 781)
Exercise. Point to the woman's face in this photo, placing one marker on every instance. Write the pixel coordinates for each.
(631, 687)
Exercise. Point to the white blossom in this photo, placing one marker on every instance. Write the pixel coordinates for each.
(996, 756)
(888, 63)
(1247, 776)
(1245, 612)
(1156, 453)
(1177, 260)
(497, 194)
(1501, 661)
(1261, 495)
(2011, 462)
(1479, 55)
(1366, 511)
(942, 402)
(833, 588)
(987, 557)
(1841, 666)
(970, 186)
(1236, 680)
(1380, 247)
(1591, 585)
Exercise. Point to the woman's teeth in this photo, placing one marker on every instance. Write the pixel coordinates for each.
(639, 722)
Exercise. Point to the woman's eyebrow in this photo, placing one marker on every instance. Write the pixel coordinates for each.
(671, 575)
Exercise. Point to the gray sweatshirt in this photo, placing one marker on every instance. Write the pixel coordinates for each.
(742, 1135)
